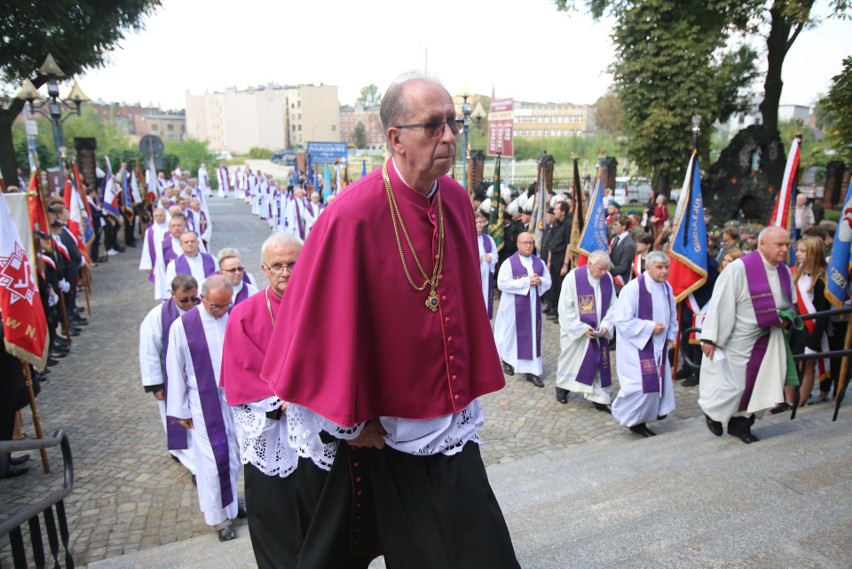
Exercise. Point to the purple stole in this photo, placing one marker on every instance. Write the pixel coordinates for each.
(202, 223)
(765, 311)
(523, 317)
(597, 352)
(176, 435)
(208, 394)
(207, 262)
(152, 251)
(190, 221)
(486, 246)
(651, 372)
(245, 278)
(242, 295)
(300, 223)
(168, 251)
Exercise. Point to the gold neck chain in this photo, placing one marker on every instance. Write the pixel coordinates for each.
(396, 217)
(269, 306)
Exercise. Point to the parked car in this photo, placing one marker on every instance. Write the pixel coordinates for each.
(632, 189)
(284, 157)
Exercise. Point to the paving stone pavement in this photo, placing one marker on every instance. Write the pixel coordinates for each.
(129, 495)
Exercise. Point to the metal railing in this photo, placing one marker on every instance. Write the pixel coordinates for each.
(797, 357)
(51, 509)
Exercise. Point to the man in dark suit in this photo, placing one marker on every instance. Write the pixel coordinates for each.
(622, 250)
(557, 249)
(75, 261)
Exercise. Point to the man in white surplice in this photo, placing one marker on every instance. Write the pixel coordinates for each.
(731, 331)
(196, 401)
(646, 324)
(577, 334)
(523, 278)
(151, 241)
(152, 332)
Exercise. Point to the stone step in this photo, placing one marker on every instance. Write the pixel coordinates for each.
(681, 499)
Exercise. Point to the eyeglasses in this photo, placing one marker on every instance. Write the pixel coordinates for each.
(436, 128)
(278, 268)
(234, 270)
(216, 307)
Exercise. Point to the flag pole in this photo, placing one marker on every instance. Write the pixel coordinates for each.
(28, 381)
(696, 134)
(840, 392)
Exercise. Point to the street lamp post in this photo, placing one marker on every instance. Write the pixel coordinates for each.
(55, 105)
(466, 111)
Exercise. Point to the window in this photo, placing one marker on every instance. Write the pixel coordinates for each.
(333, 128)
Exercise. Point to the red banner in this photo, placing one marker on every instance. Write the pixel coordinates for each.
(36, 204)
(501, 116)
(24, 323)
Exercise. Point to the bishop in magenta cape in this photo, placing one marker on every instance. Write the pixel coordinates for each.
(358, 341)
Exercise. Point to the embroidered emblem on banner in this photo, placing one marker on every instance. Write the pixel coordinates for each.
(15, 276)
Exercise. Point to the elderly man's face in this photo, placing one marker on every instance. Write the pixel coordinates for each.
(526, 244)
(217, 302)
(159, 216)
(597, 270)
(775, 247)
(279, 264)
(189, 244)
(177, 226)
(431, 150)
(196, 205)
(659, 272)
(232, 269)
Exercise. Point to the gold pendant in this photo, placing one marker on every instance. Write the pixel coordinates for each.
(432, 301)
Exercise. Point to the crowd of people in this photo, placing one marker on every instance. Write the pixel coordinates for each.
(622, 293)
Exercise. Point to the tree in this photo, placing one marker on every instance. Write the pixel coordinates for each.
(369, 96)
(359, 135)
(79, 33)
(670, 64)
(609, 113)
(836, 107)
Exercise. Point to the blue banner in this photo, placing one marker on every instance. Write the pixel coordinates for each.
(328, 151)
(594, 236)
(841, 261)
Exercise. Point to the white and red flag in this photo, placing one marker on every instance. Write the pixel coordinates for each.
(24, 323)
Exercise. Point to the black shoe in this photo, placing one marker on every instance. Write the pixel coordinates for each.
(553, 317)
(227, 534)
(535, 380)
(74, 332)
(19, 460)
(51, 363)
(79, 321)
(746, 437)
(780, 408)
(562, 395)
(57, 354)
(13, 471)
(661, 417)
(690, 381)
(79, 309)
(602, 407)
(507, 369)
(642, 429)
(59, 342)
(714, 426)
(39, 376)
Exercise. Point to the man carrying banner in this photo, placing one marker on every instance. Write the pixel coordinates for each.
(746, 358)
(585, 321)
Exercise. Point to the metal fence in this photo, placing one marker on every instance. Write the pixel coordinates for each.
(51, 509)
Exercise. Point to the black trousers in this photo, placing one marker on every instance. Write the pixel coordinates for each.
(280, 512)
(424, 512)
(129, 237)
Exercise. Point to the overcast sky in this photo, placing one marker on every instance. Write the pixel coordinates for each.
(526, 50)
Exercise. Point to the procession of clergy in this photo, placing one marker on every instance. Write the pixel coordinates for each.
(624, 293)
